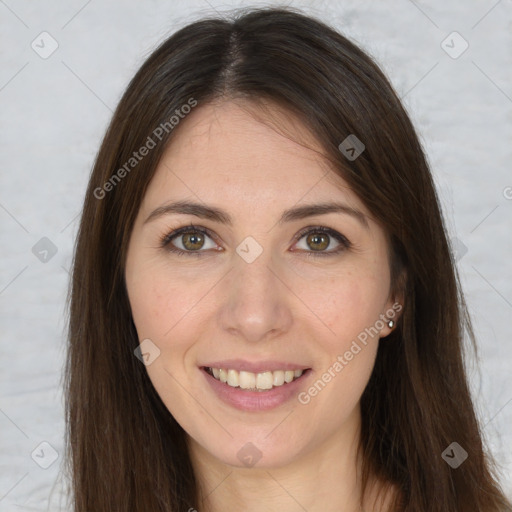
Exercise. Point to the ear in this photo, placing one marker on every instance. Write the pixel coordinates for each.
(394, 307)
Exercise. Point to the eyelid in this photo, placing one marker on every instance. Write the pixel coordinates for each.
(323, 229)
(165, 241)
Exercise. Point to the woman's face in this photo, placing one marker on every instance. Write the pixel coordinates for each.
(265, 283)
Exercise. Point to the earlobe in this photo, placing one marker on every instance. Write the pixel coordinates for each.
(391, 317)
(390, 326)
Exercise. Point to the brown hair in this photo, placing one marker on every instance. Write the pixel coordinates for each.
(126, 451)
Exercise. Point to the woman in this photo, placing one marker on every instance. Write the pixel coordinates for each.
(265, 313)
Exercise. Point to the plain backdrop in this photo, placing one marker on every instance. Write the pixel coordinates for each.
(64, 66)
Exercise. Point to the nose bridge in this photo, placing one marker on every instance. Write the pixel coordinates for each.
(255, 302)
(254, 279)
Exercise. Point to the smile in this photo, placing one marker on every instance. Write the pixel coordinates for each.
(261, 381)
(255, 385)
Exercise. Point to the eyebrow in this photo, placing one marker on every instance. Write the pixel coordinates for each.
(223, 217)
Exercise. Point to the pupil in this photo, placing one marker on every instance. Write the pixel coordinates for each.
(316, 239)
(194, 239)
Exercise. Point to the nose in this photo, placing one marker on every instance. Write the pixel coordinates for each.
(256, 305)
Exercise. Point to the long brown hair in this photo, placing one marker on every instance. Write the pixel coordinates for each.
(126, 452)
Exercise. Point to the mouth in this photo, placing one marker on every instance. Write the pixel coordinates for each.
(259, 382)
(255, 386)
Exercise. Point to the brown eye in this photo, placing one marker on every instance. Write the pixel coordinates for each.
(315, 241)
(192, 241)
(318, 241)
(188, 240)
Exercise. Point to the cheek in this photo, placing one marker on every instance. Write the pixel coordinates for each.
(350, 307)
(151, 305)
(346, 305)
(168, 307)
(347, 349)
(158, 299)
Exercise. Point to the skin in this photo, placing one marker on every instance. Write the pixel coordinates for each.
(283, 306)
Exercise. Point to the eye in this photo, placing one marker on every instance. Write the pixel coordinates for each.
(191, 239)
(319, 238)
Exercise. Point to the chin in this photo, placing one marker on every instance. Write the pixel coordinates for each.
(244, 453)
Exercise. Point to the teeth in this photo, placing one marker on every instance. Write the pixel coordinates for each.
(246, 380)
(288, 375)
(278, 378)
(233, 378)
(259, 381)
(264, 380)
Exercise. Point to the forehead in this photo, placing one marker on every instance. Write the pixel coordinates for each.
(236, 153)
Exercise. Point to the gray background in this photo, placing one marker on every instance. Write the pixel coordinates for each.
(53, 113)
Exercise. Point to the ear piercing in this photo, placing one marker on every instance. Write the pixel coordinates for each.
(391, 324)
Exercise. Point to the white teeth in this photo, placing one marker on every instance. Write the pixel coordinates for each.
(260, 381)
(264, 380)
(278, 378)
(246, 380)
(233, 378)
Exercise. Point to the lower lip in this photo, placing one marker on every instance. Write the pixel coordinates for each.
(256, 400)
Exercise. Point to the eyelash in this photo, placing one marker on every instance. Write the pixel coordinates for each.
(165, 241)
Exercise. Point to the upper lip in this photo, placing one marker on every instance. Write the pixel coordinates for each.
(254, 366)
